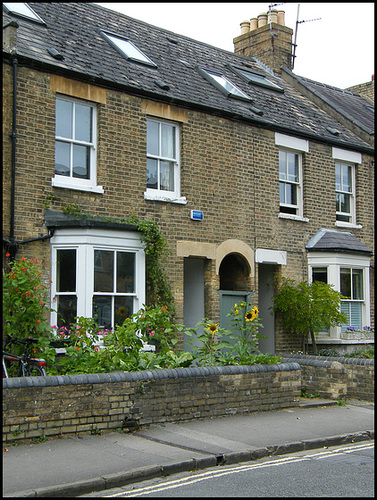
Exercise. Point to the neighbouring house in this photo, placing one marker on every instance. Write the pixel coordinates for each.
(250, 171)
(365, 89)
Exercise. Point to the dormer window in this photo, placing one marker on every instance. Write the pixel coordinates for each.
(22, 10)
(224, 84)
(126, 48)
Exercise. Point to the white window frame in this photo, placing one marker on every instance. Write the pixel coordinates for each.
(299, 190)
(352, 299)
(352, 196)
(298, 146)
(71, 182)
(85, 241)
(334, 262)
(351, 158)
(159, 194)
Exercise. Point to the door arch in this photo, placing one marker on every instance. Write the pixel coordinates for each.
(234, 273)
(235, 285)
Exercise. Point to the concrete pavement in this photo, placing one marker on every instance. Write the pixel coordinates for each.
(77, 466)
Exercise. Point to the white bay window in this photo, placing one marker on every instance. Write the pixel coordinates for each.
(96, 273)
(349, 275)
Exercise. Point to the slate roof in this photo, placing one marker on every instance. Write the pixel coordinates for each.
(331, 240)
(351, 105)
(72, 29)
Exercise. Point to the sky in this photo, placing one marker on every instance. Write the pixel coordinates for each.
(337, 49)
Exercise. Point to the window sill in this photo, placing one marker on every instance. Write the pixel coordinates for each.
(334, 340)
(166, 198)
(348, 224)
(68, 184)
(293, 217)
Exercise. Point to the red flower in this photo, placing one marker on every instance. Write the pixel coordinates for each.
(7, 254)
(38, 320)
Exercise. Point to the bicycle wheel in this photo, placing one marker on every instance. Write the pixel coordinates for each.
(34, 370)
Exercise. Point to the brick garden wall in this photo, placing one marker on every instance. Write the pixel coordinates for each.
(56, 406)
(333, 377)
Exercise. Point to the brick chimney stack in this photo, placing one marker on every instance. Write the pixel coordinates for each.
(268, 39)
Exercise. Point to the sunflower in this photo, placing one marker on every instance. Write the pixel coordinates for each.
(212, 328)
(250, 315)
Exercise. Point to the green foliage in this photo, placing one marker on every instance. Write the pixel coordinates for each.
(306, 394)
(122, 349)
(156, 253)
(366, 352)
(245, 327)
(211, 339)
(308, 308)
(329, 352)
(215, 350)
(156, 327)
(25, 298)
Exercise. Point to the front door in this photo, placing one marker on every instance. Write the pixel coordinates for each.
(227, 300)
(266, 294)
(193, 302)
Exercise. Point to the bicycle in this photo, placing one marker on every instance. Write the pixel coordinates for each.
(28, 366)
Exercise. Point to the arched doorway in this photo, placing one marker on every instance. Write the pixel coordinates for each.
(234, 273)
(235, 285)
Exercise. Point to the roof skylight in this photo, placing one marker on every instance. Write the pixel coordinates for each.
(125, 47)
(21, 9)
(257, 79)
(223, 84)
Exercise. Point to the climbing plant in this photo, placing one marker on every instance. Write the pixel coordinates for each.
(156, 254)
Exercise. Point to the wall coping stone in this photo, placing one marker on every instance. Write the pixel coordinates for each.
(101, 378)
(308, 359)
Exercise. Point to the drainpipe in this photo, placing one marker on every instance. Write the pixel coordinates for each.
(12, 243)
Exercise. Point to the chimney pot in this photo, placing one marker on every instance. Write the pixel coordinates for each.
(262, 20)
(281, 17)
(273, 16)
(253, 23)
(245, 27)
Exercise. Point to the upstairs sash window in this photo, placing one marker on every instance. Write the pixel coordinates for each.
(75, 145)
(163, 162)
(345, 195)
(290, 182)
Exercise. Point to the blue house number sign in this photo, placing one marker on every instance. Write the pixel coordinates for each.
(196, 215)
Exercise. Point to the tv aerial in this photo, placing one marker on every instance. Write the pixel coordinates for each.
(297, 23)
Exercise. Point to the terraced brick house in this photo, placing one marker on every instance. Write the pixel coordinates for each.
(245, 168)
